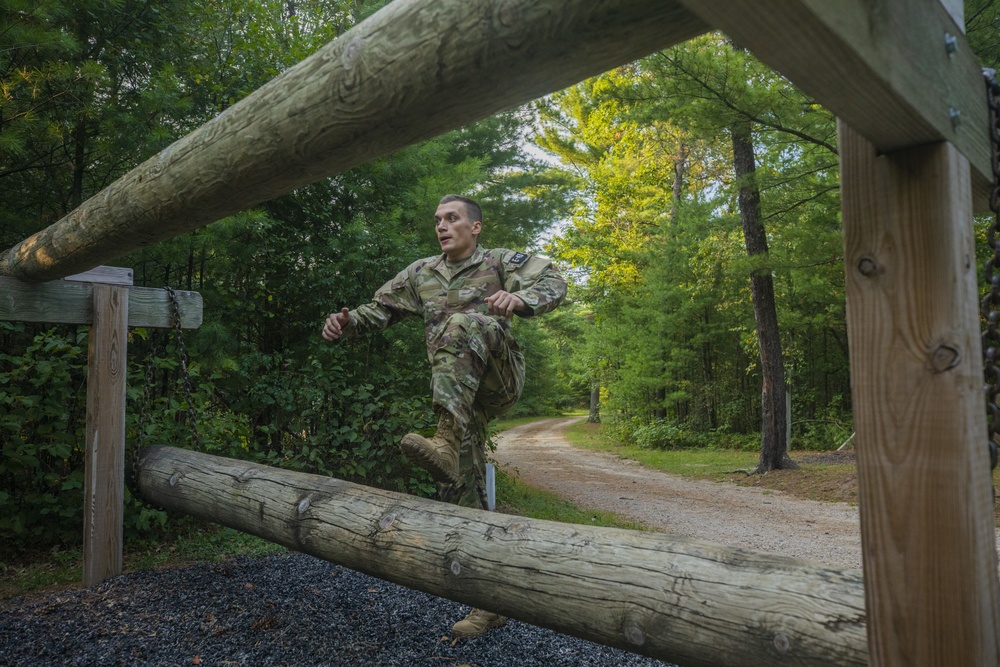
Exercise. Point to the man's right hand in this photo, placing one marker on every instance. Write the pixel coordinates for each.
(333, 328)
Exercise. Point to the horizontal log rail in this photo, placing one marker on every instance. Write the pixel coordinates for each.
(685, 601)
(414, 70)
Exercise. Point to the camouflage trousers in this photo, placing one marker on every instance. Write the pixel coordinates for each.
(477, 373)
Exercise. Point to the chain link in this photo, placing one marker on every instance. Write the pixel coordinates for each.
(990, 304)
(132, 470)
(134, 447)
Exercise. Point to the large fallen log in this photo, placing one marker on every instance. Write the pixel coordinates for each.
(414, 70)
(685, 601)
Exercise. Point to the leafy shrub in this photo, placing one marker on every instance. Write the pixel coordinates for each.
(42, 422)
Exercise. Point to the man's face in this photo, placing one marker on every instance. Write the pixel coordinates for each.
(455, 231)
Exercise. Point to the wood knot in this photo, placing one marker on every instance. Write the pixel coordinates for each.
(387, 521)
(176, 477)
(781, 643)
(634, 634)
(944, 358)
(456, 568)
(304, 505)
(867, 267)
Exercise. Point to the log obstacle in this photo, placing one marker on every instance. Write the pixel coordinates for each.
(686, 601)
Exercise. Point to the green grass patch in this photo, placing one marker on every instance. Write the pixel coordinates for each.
(63, 568)
(516, 497)
(696, 463)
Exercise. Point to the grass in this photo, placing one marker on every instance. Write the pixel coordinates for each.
(188, 543)
(695, 463)
(516, 497)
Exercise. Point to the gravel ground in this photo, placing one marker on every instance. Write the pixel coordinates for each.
(289, 609)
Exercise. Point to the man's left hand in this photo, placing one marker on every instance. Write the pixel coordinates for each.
(505, 304)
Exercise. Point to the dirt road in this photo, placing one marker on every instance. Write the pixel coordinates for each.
(770, 522)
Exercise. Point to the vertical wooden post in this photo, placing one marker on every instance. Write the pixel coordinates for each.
(105, 447)
(928, 541)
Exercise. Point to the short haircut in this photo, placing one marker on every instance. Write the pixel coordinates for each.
(472, 209)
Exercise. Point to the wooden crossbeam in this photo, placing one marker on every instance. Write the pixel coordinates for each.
(896, 72)
(70, 302)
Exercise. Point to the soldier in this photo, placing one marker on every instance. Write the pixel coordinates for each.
(466, 297)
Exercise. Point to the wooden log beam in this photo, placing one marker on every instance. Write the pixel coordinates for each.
(685, 601)
(882, 66)
(924, 480)
(414, 70)
(71, 302)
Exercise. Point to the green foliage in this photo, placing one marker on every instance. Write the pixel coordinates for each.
(657, 245)
(92, 88)
(42, 418)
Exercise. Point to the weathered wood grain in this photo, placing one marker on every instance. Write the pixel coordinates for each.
(881, 66)
(68, 302)
(928, 544)
(686, 601)
(104, 463)
(414, 70)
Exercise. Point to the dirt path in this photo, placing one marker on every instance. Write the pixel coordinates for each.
(771, 522)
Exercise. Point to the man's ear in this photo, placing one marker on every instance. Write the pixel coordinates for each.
(477, 227)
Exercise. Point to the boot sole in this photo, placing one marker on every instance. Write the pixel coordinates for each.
(418, 454)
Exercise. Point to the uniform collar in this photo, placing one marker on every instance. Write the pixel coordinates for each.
(441, 265)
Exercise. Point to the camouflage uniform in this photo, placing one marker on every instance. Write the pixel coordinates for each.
(476, 365)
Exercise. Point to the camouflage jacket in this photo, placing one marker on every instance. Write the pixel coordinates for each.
(433, 290)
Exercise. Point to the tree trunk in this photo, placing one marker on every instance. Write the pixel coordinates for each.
(681, 600)
(595, 404)
(773, 454)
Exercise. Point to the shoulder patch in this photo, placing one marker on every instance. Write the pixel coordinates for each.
(518, 258)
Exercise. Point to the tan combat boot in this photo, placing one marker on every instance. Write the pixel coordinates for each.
(437, 455)
(478, 622)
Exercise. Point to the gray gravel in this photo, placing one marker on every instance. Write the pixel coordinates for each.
(288, 609)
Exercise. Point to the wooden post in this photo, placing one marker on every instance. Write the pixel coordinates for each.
(105, 299)
(105, 447)
(916, 374)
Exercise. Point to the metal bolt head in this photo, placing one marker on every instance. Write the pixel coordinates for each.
(950, 43)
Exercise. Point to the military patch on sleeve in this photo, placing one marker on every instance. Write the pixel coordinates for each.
(518, 259)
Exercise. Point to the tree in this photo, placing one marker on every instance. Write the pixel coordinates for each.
(774, 430)
(651, 147)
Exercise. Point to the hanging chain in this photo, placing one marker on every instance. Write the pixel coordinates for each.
(990, 304)
(132, 470)
(185, 374)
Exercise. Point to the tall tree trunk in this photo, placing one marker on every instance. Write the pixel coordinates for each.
(680, 168)
(595, 404)
(773, 454)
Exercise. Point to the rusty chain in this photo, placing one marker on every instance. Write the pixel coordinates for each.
(132, 470)
(990, 304)
(185, 374)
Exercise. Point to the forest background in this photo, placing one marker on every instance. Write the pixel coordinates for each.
(635, 182)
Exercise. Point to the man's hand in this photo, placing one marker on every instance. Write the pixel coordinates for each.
(505, 304)
(333, 328)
